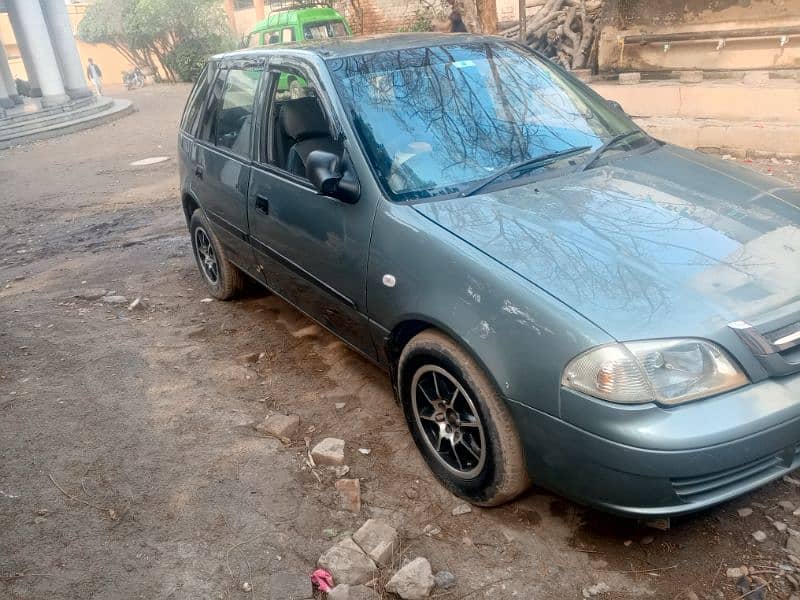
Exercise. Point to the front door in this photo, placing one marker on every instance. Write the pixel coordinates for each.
(311, 249)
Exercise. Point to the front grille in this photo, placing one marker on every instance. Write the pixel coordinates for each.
(702, 487)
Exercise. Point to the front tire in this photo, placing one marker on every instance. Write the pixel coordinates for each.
(459, 422)
(222, 278)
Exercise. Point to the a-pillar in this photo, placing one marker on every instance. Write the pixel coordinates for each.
(24, 51)
(32, 23)
(7, 77)
(55, 14)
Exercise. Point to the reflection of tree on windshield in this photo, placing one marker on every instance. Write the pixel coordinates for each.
(445, 116)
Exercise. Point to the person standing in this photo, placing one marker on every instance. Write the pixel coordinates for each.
(95, 75)
(457, 23)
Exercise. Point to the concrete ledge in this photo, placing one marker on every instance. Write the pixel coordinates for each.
(729, 101)
(116, 110)
(742, 138)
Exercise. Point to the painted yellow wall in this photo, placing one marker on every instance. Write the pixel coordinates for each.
(111, 62)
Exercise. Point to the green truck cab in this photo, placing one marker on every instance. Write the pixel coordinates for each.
(286, 26)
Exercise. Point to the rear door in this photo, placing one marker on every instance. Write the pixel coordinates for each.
(224, 156)
(311, 249)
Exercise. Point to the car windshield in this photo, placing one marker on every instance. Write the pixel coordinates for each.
(436, 120)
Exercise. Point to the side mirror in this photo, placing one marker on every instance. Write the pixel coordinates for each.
(616, 106)
(332, 176)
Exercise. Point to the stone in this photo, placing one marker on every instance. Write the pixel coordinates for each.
(431, 530)
(691, 77)
(347, 563)
(787, 505)
(91, 294)
(414, 581)
(340, 592)
(251, 358)
(690, 595)
(629, 78)
(759, 536)
(246, 587)
(196, 331)
(745, 512)
(290, 585)
(444, 580)
(282, 426)
(736, 572)
(378, 540)
(595, 590)
(349, 494)
(137, 304)
(329, 452)
(791, 480)
(780, 525)
(793, 543)
(340, 405)
(115, 299)
(461, 509)
(348, 592)
(648, 539)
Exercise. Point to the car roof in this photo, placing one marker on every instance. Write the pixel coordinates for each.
(353, 46)
(283, 18)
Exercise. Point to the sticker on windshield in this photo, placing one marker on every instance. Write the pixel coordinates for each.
(460, 64)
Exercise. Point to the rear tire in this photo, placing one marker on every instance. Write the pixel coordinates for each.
(222, 278)
(459, 421)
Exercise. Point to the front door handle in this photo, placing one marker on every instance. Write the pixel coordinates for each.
(262, 205)
(198, 170)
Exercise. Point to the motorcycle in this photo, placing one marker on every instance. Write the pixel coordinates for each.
(133, 78)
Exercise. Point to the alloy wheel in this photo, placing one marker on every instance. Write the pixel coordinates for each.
(449, 421)
(206, 256)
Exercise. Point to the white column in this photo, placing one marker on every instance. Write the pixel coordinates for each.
(5, 99)
(55, 14)
(34, 27)
(7, 76)
(24, 51)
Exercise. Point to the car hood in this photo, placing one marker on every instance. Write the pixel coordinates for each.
(668, 242)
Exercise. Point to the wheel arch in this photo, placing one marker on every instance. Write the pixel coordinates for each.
(190, 204)
(405, 330)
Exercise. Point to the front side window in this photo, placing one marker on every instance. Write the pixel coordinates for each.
(327, 29)
(235, 116)
(437, 120)
(299, 122)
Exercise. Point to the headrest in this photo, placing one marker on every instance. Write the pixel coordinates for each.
(303, 118)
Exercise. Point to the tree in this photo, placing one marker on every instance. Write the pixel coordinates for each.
(158, 34)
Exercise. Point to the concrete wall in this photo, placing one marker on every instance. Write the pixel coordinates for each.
(711, 19)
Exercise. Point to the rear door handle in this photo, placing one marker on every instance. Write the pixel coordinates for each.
(198, 170)
(262, 205)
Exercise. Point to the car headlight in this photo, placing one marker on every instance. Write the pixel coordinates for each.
(663, 371)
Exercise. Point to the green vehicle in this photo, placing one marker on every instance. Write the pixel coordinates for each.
(293, 25)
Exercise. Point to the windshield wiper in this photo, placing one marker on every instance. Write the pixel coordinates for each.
(530, 163)
(594, 156)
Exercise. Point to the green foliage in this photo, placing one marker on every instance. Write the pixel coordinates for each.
(171, 31)
(186, 60)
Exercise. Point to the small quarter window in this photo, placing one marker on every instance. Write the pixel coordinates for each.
(196, 101)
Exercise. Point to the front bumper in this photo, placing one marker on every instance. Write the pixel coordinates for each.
(656, 465)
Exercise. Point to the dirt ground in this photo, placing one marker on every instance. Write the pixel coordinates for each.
(130, 466)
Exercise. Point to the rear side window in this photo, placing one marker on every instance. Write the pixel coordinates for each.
(235, 115)
(328, 29)
(196, 101)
